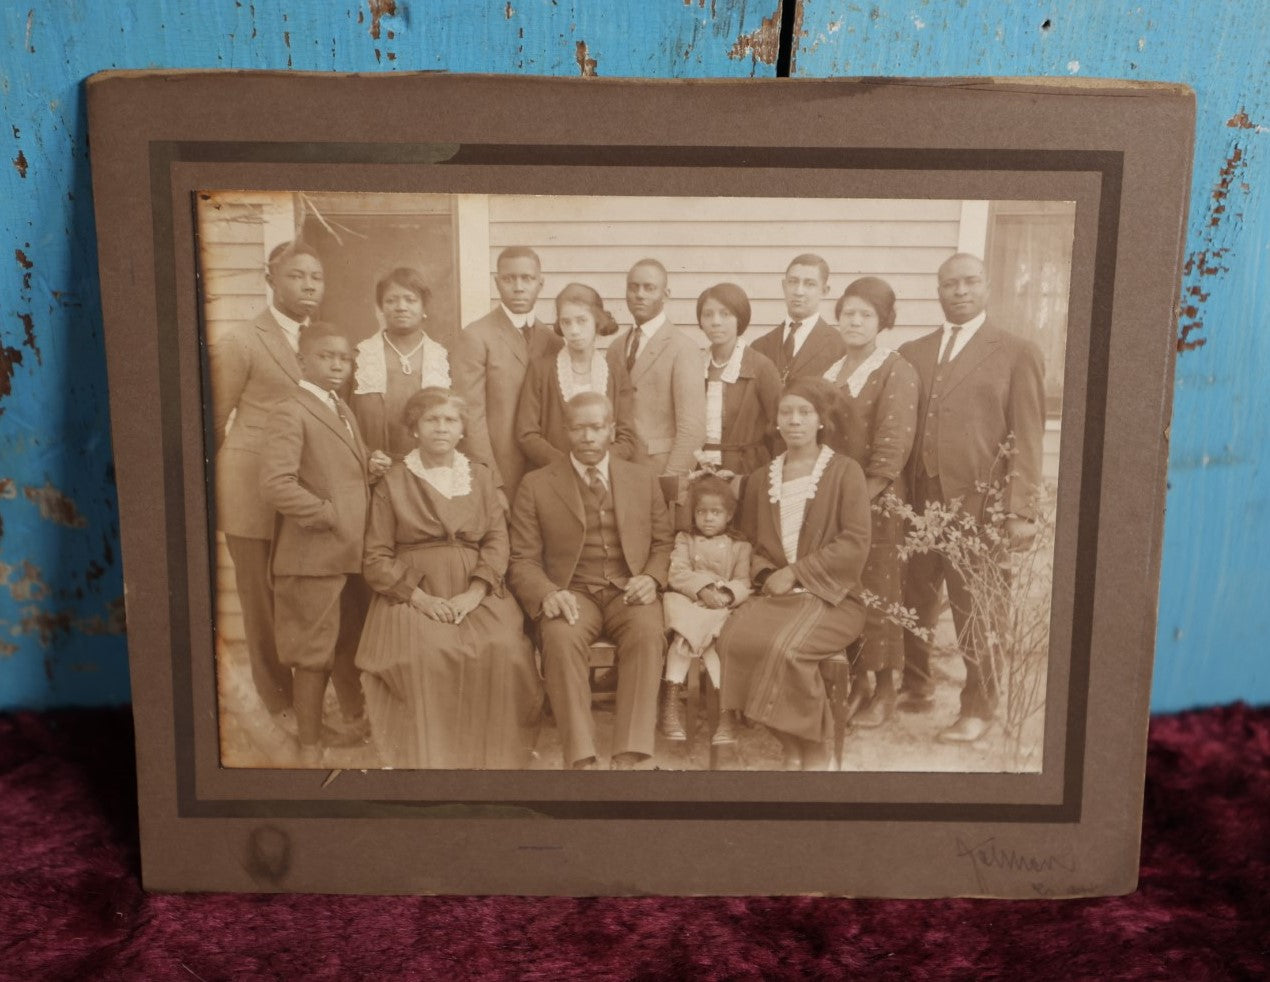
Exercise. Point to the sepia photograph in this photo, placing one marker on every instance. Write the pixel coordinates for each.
(631, 482)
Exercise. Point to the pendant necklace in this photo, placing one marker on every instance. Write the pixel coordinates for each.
(406, 368)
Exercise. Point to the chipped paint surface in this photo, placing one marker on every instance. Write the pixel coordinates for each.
(1213, 618)
(61, 612)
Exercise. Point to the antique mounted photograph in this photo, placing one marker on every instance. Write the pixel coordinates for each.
(518, 485)
(408, 361)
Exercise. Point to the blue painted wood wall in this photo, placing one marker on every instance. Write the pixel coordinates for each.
(61, 639)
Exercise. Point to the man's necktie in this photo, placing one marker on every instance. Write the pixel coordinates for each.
(633, 351)
(595, 483)
(948, 348)
(339, 411)
(787, 349)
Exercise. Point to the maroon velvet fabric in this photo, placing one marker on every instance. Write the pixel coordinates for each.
(71, 906)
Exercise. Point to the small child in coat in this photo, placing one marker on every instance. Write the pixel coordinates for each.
(314, 472)
(709, 575)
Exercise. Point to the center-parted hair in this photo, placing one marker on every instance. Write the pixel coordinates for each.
(874, 291)
(733, 298)
(429, 398)
(711, 484)
(585, 296)
(823, 398)
(405, 277)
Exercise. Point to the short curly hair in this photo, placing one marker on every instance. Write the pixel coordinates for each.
(709, 484)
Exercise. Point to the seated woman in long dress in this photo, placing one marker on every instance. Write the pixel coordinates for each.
(396, 362)
(448, 673)
(877, 391)
(552, 380)
(807, 517)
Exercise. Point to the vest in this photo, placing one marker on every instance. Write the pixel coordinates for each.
(930, 419)
(602, 562)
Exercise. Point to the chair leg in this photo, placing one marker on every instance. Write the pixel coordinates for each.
(692, 688)
(840, 692)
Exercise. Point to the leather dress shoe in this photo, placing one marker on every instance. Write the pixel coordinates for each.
(918, 699)
(626, 761)
(880, 709)
(967, 729)
(585, 764)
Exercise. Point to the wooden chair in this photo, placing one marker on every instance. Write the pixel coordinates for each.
(837, 674)
(603, 656)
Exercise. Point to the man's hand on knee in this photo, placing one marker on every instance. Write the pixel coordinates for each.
(562, 603)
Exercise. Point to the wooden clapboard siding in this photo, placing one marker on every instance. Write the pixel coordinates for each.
(232, 284)
(748, 241)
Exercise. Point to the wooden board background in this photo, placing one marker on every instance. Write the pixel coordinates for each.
(61, 627)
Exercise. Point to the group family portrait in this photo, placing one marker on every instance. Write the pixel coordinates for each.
(628, 482)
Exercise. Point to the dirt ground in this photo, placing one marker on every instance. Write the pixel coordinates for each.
(249, 738)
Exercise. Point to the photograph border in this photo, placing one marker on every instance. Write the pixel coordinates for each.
(1071, 837)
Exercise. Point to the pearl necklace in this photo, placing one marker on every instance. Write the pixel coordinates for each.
(406, 367)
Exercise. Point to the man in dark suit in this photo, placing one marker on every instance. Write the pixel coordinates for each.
(982, 388)
(489, 362)
(590, 549)
(804, 343)
(313, 471)
(252, 369)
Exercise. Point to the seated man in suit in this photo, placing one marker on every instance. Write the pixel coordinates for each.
(664, 370)
(804, 343)
(489, 362)
(981, 389)
(590, 549)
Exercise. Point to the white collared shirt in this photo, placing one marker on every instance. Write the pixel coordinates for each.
(321, 393)
(964, 335)
(602, 467)
(519, 321)
(800, 336)
(648, 329)
(291, 328)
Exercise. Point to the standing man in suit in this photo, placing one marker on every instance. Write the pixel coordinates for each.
(489, 363)
(252, 369)
(590, 550)
(664, 370)
(982, 388)
(804, 343)
(313, 471)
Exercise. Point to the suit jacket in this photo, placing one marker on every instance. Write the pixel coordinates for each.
(993, 394)
(668, 397)
(313, 472)
(488, 365)
(822, 347)
(549, 523)
(252, 369)
(541, 431)
(833, 543)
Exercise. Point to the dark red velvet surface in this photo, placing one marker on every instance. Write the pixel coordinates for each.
(71, 906)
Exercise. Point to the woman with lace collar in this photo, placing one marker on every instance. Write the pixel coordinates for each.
(742, 386)
(552, 380)
(877, 393)
(807, 517)
(448, 674)
(396, 362)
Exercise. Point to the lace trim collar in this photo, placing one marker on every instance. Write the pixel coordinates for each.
(776, 475)
(564, 374)
(372, 367)
(732, 370)
(451, 482)
(855, 382)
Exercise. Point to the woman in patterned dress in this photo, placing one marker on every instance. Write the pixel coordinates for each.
(448, 673)
(877, 393)
(807, 517)
(553, 380)
(396, 362)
